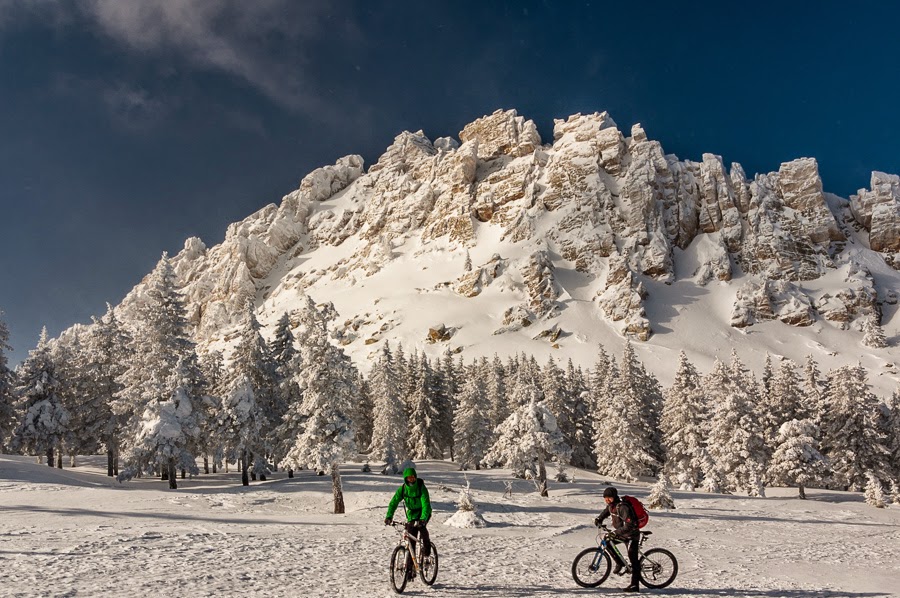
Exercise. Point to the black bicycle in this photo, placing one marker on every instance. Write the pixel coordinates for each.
(407, 559)
(592, 565)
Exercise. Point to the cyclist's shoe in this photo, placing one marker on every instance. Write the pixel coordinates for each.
(619, 570)
(632, 588)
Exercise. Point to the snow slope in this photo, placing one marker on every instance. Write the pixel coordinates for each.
(76, 532)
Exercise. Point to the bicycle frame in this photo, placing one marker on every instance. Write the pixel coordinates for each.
(607, 545)
(405, 540)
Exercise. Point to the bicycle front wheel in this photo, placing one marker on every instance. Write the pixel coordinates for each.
(399, 569)
(591, 567)
(428, 570)
(658, 568)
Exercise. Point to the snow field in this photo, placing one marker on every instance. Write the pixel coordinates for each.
(75, 532)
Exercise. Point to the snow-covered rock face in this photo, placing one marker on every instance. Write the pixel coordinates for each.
(879, 211)
(608, 211)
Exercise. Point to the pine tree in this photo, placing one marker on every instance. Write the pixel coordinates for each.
(162, 380)
(659, 497)
(329, 391)
(529, 438)
(363, 414)
(447, 388)
(166, 439)
(873, 334)
(252, 362)
(627, 443)
(424, 430)
(75, 390)
(797, 459)
(851, 438)
(581, 418)
(782, 403)
(495, 388)
(893, 440)
(683, 426)
(812, 389)
(472, 424)
(874, 492)
(735, 442)
(212, 426)
(389, 428)
(45, 421)
(7, 384)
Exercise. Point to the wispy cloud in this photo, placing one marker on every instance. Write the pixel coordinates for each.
(263, 43)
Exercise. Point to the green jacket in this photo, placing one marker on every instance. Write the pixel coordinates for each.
(415, 496)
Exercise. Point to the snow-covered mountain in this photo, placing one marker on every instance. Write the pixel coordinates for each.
(499, 242)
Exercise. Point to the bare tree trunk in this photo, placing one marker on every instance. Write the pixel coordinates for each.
(205, 463)
(72, 460)
(245, 479)
(183, 473)
(59, 459)
(109, 462)
(290, 473)
(802, 492)
(50, 457)
(116, 459)
(542, 477)
(173, 482)
(336, 489)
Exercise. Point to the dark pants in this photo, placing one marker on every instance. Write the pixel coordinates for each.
(633, 560)
(633, 546)
(422, 531)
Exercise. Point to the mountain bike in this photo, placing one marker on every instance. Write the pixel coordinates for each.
(592, 565)
(407, 560)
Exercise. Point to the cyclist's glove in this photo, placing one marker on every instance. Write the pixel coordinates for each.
(388, 521)
(598, 521)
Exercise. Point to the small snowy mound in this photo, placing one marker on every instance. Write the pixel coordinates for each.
(466, 519)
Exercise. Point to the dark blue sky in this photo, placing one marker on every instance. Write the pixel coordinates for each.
(127, 126)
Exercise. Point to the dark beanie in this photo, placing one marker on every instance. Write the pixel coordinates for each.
(611, 492)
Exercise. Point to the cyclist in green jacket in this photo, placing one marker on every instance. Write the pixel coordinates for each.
(418, 507)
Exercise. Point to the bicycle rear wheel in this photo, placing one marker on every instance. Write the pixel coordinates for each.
(428, 570)
(658, 568)
(591, 567)
(399, 569)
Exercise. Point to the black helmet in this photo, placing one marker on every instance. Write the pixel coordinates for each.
(611, 492)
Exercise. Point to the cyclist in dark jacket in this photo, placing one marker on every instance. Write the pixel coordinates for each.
(626, 530)
(418, 507)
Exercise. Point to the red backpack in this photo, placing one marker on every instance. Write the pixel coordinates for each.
(639, 511)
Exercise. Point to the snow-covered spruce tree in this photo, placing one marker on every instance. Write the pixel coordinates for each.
(211, 443)
(329, 391)
(389, 429)
(162, 374)
(557, 399)
(812, 389)
(894, 442)
(107, 346)
(660, 497)
(242, 421)
(494, 376)
(286, 363)
(851, 439)
(448, 384)
(797, 460)
(424, 429)
(735, 442)
(167, 438)
(251, 362)
(75, 392)
(472, 423)
(583, 423)
(874, 492)
(363, 414)
(627, 431)
(44, 421)
(873, 334)
(529, 438)
(683, 427)
(7, 383)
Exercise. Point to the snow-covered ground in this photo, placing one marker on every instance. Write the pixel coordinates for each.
(75, 532)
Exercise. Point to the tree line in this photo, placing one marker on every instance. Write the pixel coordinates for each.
(141, 393)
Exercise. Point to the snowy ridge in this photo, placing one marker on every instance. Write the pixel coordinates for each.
(554, 249)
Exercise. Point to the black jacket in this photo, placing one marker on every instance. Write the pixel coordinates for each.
(623, 518)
